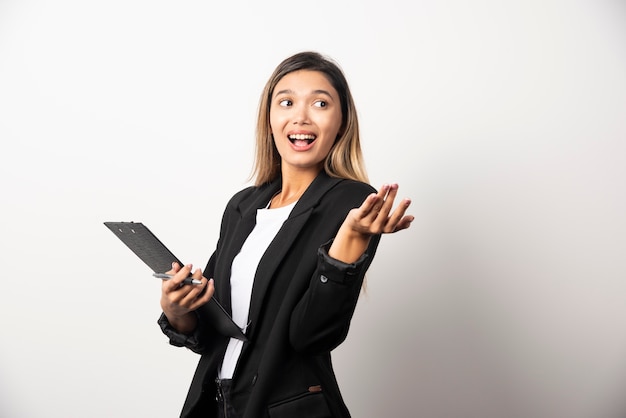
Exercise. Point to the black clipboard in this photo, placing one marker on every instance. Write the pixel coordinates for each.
(155, 254)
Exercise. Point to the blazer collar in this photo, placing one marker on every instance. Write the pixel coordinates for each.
(320, 185)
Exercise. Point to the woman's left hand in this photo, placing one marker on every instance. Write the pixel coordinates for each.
(374, 216)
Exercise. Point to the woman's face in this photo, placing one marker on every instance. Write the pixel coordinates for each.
(305, 118)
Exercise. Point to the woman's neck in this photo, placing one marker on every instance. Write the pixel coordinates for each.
(293, 187)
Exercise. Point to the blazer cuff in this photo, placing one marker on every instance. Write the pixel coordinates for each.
(338, 271)
(179, 339)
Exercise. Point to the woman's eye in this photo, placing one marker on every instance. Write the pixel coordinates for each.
(320, 103)
(285, 102)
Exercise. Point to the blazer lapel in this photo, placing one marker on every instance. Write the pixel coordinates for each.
(246, 210)
(285, 238)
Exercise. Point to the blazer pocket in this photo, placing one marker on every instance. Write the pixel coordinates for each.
(308, 404)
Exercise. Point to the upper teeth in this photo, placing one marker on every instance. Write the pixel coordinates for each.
(301, 136)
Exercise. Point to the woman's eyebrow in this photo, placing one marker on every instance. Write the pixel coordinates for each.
(322, 92)
(287, 91)
(278, 93)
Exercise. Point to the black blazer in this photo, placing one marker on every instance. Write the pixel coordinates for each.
(301, 307)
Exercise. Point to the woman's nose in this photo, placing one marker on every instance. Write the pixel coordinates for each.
(301, 115)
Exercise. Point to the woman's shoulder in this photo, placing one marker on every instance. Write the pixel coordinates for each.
(251, 193)
(349, 193)
(353, 187)
(242, 194)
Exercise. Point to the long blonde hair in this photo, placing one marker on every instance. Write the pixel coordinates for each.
(345, 159)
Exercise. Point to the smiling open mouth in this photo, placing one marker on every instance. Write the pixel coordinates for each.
(302, 139)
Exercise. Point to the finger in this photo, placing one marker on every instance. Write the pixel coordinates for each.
(404, 223)
(197, 274)
(399, 212)
(398, 221)
(367, 206)
(177, 280)
(174, 269)
(387, 204)
(185, 294)
(376, 203)
(380, 218)
(207, 293)
(188, 290)
(175, 295)
(182, 274)
(199, 294)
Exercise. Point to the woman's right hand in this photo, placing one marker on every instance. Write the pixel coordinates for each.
(179, 300)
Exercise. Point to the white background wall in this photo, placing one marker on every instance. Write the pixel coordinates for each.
(504, 121)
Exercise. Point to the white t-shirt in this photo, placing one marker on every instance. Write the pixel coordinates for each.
(268, 222)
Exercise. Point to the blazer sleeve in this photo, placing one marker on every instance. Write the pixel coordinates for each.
(199, 341)
(321, 319)
(178, 339)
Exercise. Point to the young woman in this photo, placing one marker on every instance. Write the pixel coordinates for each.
(291, 257)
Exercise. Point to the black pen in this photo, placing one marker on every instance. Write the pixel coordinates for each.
(188, 280)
